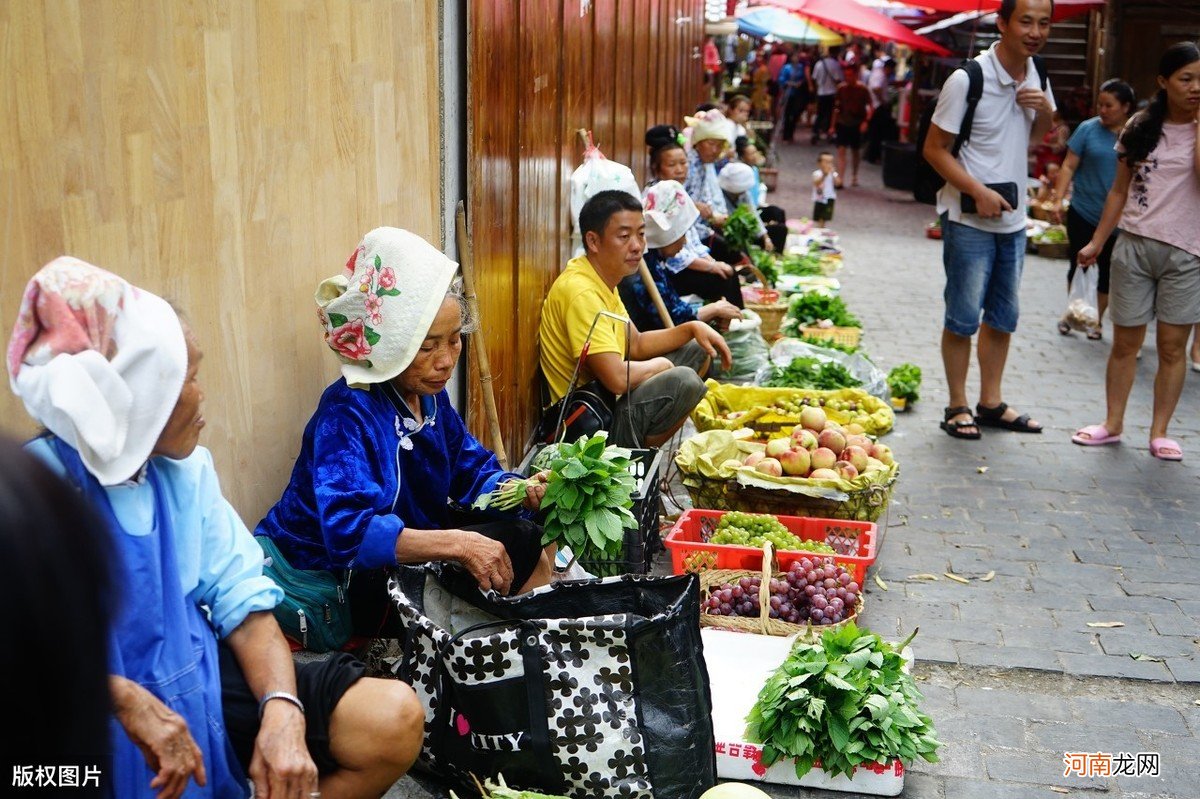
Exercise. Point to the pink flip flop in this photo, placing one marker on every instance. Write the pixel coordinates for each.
(1159, 448)
(1097, 435)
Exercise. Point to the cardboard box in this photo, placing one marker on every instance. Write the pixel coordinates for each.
(738, 667)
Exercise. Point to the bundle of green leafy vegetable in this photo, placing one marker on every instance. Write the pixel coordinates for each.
(812, 373)
(830, 344)
(806, 264)
(843, 701)
(904, 382)
(766, 263)
(814, 307)
(589, 492)
(741, 228)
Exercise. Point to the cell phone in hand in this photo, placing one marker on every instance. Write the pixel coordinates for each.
(1006, 190)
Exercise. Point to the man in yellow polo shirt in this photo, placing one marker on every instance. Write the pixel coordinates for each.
(664, 367)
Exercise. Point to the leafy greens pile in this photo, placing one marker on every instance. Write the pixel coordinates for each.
(815, 307)
(741, 228)
(843, 701)
(766, 264)
(589, 492)
(904, 381)
(806, 264)
(812, 373)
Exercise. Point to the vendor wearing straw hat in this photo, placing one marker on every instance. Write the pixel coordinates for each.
(669, 215)
(202, 684)
(386, 454)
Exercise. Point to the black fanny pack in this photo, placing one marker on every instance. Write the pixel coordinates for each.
(589, 409)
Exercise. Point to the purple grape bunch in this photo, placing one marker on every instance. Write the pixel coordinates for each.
(814, 589)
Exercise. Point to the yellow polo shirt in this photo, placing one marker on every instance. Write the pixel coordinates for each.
(567, 314)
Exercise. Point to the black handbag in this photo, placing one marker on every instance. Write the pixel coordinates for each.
(589, 409)
(588, 689)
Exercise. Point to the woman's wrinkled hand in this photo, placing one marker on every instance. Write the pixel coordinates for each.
(536, 491)
(281, 766)
(486, 560)
(162, 735)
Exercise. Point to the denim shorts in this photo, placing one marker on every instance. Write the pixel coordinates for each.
(983, 277)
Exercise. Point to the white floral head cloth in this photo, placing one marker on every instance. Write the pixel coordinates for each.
(378, 311)
(711, 124)
(669, 212)
(99, 362)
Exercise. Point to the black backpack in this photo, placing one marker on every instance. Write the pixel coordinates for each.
(927, 181)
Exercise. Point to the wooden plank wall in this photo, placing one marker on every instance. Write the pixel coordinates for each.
(228, 155)
(537, 70)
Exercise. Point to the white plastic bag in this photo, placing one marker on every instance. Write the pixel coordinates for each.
(749, 350)
(594, 175)
(1082, 313)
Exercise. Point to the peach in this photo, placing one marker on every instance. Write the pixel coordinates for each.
(832, 440)
(813, 419)
(796, 462)
(845, 470)
(857, 456)
(884, 453)
(778, 446)
(824, 474)
(802, 437)
(753, 458)
(769, 466)
(823, 458)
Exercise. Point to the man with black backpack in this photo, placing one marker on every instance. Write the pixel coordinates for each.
(1001, 101)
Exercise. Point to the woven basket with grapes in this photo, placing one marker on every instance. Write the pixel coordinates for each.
(816, 594)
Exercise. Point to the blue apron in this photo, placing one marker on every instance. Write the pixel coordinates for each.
(162, 641)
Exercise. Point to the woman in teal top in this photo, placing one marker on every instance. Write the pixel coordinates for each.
(1092, 163)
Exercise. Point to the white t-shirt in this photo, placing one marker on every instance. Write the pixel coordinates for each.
(827, 190)
(827, 74)
(877, 82)
(996, 151)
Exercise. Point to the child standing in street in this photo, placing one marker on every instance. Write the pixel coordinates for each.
(825, 181)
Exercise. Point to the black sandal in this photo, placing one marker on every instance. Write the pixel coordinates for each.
(955, 429)
(994, 417)
(1064, 329)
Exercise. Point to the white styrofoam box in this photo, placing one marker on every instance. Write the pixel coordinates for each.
(739, 665)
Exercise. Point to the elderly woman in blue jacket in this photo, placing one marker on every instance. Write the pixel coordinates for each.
(385, 457)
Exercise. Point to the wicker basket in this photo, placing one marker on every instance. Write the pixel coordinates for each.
(770, 309)
(764, 624)
(865, 505)
(850, 336)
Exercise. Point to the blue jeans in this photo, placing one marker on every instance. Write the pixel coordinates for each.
(983, 277)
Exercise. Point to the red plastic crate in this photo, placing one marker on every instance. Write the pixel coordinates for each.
(855, 542)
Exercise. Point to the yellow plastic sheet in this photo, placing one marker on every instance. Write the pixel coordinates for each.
(751, 407)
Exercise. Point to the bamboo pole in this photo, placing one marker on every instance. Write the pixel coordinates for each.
(655, 296)
(485, 369)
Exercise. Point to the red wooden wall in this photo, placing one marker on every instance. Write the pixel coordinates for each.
(537, 70)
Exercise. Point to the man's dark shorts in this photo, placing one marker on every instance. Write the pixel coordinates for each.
(848, 136)
(320, 685)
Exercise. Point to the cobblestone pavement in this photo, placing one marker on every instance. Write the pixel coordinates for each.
(1013, 676)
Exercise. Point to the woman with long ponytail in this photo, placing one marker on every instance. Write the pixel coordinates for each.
(1156, 261)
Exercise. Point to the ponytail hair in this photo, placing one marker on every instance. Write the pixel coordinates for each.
(1142, 134)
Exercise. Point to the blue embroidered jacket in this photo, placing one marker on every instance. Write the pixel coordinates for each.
(357, 484)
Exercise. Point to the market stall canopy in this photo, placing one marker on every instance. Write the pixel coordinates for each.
(1063, 9)
(848, 15)
(786, 26)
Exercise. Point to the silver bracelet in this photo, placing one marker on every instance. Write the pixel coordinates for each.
(284, 695)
